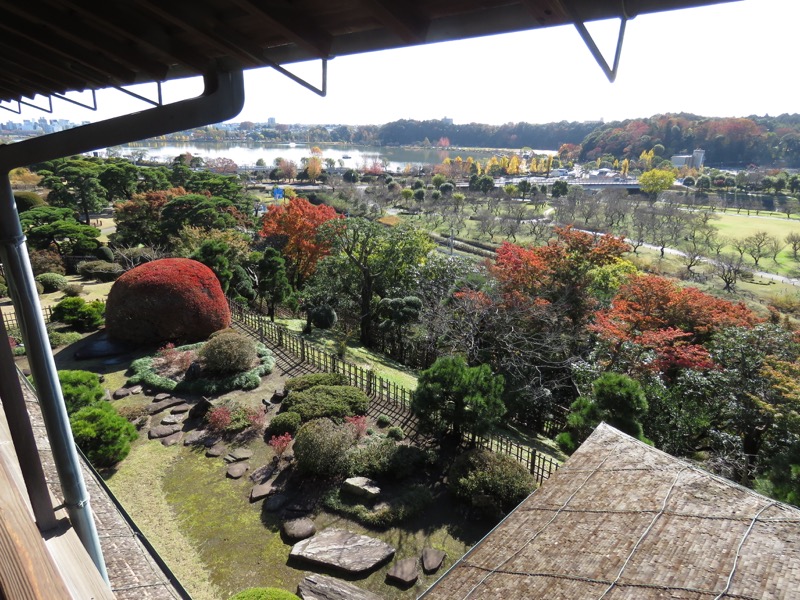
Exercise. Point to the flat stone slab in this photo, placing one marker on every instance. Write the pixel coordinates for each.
(238, 454)
(275, 502)
(136, 389)
(343, 550)
(322, 587)
(162, 396)
(181, 409)
(261, 474)
(216, 450)
(404, 571)
(173, 439)
(261, 491)
(299, 529)
(361, 486)
(194, 437)
(172, 419)
(432, 559)
(121, 393)
(236, 470)
(161, 431)
(157, 407)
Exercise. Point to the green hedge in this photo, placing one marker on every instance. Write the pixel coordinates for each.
(264, 594)
(304, 382)
(332, 401)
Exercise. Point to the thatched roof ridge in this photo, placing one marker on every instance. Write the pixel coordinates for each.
(621, 519)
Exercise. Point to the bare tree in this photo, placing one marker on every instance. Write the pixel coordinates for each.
(729, 268)
(757, 246)
(793, 239)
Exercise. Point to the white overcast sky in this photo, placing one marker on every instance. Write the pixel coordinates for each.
(733, 59)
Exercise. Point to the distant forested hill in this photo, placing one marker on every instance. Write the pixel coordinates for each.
(727, 141)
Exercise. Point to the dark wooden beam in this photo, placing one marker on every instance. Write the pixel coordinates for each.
(403, 20)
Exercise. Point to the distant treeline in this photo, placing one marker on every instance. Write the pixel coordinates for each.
(763, 141)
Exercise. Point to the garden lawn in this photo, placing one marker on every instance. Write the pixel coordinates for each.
(741, 226)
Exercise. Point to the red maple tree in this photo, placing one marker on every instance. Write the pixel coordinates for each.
(298, 222)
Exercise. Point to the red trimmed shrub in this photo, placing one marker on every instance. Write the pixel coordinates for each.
(172, 299)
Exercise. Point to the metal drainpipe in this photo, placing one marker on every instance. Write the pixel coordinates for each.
(222, 99)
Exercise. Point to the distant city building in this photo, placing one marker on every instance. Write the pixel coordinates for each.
(271, 122)
(447, 121)
(694, 160)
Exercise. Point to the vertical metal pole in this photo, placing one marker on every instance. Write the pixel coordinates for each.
(22, 289)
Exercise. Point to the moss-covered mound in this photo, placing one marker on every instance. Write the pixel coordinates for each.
(172, 299)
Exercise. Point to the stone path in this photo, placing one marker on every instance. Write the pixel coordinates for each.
(344, 550)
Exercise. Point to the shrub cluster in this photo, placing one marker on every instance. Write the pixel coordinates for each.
(46, 261)
(285, 422)
(52, 282)
(304, 382)
(482, 474)
(332, 401)
(396, 433)
(402, 506)
(320, 448)
(100, 270)
(103, 435)
(80, 389)
(381, 457)
(228, 354)
(78, 313)
(233, 416)
(73, 290)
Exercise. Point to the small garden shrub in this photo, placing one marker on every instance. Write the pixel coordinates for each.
(285, 422)
(105, 253)
(28, 200)
(396, 433)
(232, 416)
(52, 282)
(82, 315)
(400, 507)
(39, 288)
(62, 338)
(80, 388)
(228, 354)
(103, 435)
(279, 443)
(46, 261)
(264, 594)
(73, 290)
(383, 421)
(359, 425)
(100, 270)
(332, 401)
(482, 473)
(304, 382)
(320, 448)
(383, 458)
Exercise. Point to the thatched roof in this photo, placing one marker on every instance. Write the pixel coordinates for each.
(621, 519)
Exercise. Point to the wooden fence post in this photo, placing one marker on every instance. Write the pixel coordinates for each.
(302, 350)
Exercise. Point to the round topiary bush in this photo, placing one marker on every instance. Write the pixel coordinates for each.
(286, 422)
(103, 435)
(169, 299)
(52, 282)
(264, 594)
(227, 354)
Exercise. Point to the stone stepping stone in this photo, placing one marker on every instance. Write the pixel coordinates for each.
(261, 474)
(362, 487)
(322, 587)
(137, 389)
(216, 450)
(157, 407)
(432, 559)
(172, 419)
(404, 571)
(261, 490)
(344, 550)
(121, 393)
(162, 396)
(161, 431)
(194, 437)
(275, 502)
(239, 454)
(236, 470)
(299, 529)
(181, 409)
(173, 439)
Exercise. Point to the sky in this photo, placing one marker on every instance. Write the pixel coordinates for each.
(729, 60)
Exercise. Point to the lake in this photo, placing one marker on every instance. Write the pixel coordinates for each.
(352, 156)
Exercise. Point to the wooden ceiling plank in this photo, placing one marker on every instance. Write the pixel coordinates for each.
(297, 30)
(546, 12)
(139, 31)
(409, 27)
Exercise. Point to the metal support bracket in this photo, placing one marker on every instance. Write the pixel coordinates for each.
(16, 112)
(92, 106)
(319, 91)
(159, 102)
(610, 72)
(48, 110)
